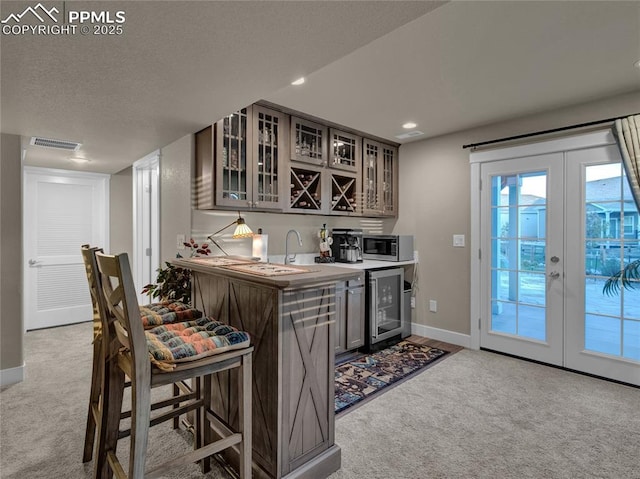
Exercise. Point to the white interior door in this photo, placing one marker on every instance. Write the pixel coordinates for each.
(555, 220)
(146, 220)
(62, 211)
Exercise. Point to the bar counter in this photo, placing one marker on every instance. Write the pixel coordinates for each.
(290, 318)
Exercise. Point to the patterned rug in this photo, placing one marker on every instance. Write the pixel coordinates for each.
(362, 377)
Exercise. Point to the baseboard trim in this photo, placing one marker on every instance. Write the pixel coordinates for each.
(11, 376)
(459, 339)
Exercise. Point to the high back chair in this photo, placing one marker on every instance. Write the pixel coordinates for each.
(158, 357)
(151, 315)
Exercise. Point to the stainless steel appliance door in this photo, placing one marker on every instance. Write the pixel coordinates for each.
(386, 306)
(380, 247)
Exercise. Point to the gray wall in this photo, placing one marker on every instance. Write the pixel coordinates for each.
(121, 212)
(11, 323)
(176, 164)
(435, 203)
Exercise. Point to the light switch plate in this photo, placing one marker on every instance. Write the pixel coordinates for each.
(180, 239)
(433, 306)
(458, 241)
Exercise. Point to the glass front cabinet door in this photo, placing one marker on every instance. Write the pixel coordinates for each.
(250, 148)
(269, 149)
(379, 178)
(233, 137)
(345, 150)
(308, 142)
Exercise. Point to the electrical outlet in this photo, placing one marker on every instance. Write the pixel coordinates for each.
(415, 256)
(413, 302)
(180, 240)
(433, 306)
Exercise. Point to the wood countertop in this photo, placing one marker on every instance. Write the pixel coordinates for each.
(268, 274)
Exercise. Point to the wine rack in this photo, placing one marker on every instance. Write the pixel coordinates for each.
(306, 189)
(343, 194)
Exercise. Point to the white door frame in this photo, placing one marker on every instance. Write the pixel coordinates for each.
(476, 159)
(100, 236)
(146, 221)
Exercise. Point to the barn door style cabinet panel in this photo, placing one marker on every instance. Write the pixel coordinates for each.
(239, 162)
(379, 179)
(290, 319)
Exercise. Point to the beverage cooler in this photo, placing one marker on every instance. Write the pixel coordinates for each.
(385, 308)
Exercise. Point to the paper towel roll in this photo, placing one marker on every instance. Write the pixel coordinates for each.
(260, 247)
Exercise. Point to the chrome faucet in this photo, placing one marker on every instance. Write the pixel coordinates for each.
(288, 260)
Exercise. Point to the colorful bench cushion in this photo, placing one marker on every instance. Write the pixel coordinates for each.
(191, 340)
(166, 312)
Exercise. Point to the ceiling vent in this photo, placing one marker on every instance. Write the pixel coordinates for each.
(409, 134)
(59, 144)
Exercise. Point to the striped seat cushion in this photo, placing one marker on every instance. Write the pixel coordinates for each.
(191, 340)
(167, 312)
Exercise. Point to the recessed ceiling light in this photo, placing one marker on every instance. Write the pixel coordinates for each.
(408, 125)
(299, 81)
(637, 64)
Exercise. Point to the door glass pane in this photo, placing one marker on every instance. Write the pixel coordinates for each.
(503, 317)
(532, 288)
(602, 334)
(518, 230)
(611, 242)
(631, 345)
(531, 321)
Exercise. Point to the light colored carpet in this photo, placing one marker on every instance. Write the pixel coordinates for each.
(474, 415)
(483, 415)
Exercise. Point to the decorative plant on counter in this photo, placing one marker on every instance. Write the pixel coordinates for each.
(173, 283)
(628, 278)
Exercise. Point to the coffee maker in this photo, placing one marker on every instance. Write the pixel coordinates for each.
(347, 245)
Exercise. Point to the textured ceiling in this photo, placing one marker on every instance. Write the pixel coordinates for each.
(371, 65)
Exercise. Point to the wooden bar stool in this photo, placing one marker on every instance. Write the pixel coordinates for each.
(151, 315)
(162, 356)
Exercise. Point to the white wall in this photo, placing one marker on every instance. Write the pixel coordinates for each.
(435, 203)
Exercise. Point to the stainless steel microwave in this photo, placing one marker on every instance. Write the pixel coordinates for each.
(387, 247)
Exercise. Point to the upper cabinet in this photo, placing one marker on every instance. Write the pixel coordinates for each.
(345, 150)
(243, 158)
(379, 179)
(262, 158)
(308, 142)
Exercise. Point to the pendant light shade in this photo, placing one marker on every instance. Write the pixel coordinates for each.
(242, 230)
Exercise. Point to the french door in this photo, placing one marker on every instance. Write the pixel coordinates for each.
(556, 219)
(524, 270)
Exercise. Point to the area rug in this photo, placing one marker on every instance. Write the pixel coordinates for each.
(367, 375)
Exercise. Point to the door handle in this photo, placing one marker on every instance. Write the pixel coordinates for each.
(554, 275)
(33, 262)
